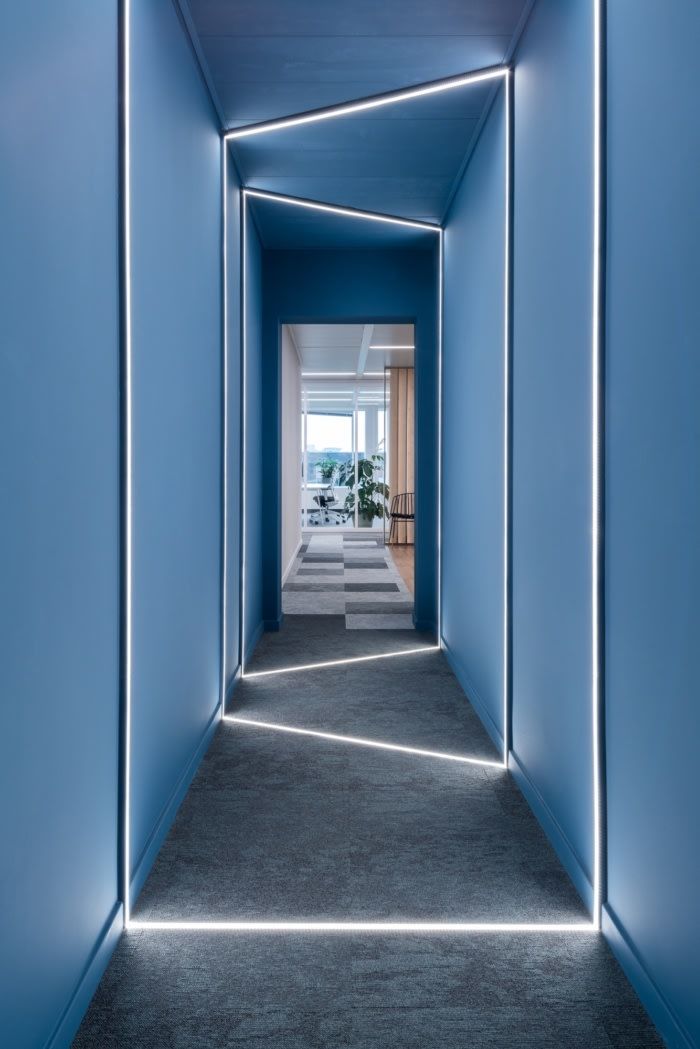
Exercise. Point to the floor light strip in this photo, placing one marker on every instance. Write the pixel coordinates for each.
(363, 927)
(371, 102)
(341, 662)
(128, 469)
(358, 741)
(333, 209)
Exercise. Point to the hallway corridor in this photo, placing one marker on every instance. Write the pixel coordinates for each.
(293, 827)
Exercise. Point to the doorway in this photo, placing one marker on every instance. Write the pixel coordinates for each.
(347, 458)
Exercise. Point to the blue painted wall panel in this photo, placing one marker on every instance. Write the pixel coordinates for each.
(176, 209)
(473, 424)
(552, 419)
(356, 286)
(653, 509)
(258, 473)
(59, 491)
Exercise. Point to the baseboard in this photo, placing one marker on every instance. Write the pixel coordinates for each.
(290, 566)
(165, 820)
(667, 1023)
(273, 625)
(253, 643)
(547, 820)
(67, 1026)
(472, 694)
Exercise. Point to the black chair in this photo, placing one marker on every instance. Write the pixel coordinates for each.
(402, 509)
(327, 509)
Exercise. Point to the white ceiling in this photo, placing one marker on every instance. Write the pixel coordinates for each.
(355, 349)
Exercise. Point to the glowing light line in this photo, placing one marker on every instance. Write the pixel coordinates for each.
(506, 424)
(441, 296)
(370, 102)
(596, 558)
(244, 422)
(341, 662)
(426, 927)
(334, 209)
(361, 742)
(128, 473)
(224, 452)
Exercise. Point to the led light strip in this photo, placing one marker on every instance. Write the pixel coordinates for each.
(362, 927)
(507, 255)
(372, 102)
(441, 297)
(333, 209)
(128, 471)
(224, 451)
(596, 450)
(342, 662)
(360, 742)
(244, 423)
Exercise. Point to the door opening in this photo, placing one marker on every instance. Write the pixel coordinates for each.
(347, 457)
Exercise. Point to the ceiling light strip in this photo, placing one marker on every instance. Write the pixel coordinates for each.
(361, 105)
(334, 209)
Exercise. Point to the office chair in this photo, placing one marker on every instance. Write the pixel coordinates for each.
(327, 510)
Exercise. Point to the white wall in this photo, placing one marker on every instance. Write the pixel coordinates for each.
(291, 450)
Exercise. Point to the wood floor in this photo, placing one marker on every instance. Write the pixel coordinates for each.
(403, 557)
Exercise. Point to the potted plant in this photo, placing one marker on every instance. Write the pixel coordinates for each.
(327, 467)
(371, 494)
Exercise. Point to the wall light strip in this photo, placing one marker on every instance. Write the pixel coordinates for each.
(507, 363)
(361, 105)
(359, 741)
(244, 425)
(128, 467)
(342, 662)
(363, 927)
(392, 347)
(224, 424)
(440, 305)
(333, 209)
(596, 453)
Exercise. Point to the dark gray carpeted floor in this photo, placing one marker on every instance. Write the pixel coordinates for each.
(278, 826)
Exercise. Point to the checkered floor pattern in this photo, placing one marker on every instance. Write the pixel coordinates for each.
(350, 574)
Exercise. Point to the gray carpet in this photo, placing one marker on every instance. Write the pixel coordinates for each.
(278, 826)
(350, 574)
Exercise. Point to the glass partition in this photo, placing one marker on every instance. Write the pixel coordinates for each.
(343, 454)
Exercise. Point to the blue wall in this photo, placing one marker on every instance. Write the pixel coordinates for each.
(552, 426)
(473, 417)
(355, 286)
(59, 491)
(653, 506)
(176, 280)
(258, 497)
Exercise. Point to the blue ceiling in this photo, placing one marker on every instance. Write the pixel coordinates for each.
(271, 58)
